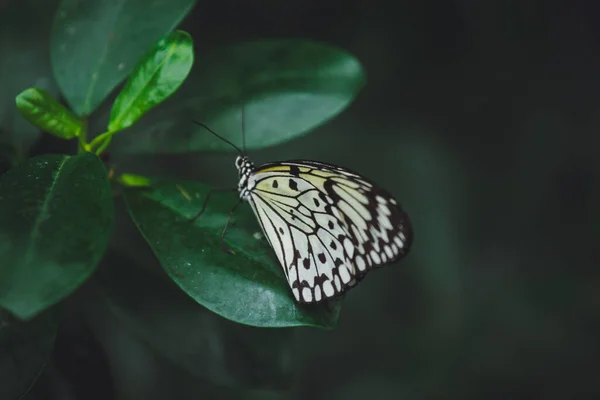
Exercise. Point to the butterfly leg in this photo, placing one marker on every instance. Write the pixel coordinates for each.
(223, 245)
(211, 191)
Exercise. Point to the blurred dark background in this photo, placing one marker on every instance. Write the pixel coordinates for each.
(482, 118)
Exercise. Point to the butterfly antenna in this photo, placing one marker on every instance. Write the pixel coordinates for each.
(219, 136)
(244, 127)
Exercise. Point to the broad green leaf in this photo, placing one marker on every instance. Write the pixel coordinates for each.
(249, 286)
(177, 327)
(288, 87)
(96, 44)
(24, 62)
(56, 214)
(25, 348)
(42, 110)
(156, 77)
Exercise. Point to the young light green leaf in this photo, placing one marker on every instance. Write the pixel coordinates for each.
(42, 110)
(249, 286)
(25, 348)
(133, 180)
(288, 87)
(56, 214)
(156, 77)
(94, 45)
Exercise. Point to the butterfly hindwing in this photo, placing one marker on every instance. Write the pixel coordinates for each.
(380, 229)
(327, 225)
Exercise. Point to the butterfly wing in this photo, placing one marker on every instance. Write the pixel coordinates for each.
(327, 225)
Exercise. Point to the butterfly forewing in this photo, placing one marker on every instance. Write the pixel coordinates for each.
(327, 225)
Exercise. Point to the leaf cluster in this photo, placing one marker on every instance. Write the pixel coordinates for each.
(57, 211)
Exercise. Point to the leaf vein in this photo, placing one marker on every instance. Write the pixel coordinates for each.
(43, 214)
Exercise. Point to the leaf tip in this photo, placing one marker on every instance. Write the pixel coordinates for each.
(132, 180)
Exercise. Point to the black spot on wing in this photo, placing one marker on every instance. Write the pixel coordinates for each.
(306, 263)
(293, 185)
(319, 279)
(296, 258)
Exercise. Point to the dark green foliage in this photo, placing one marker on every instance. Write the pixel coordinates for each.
(96, 44)
(295, 85)
(57, 210)
(25, 348)
(56, 215)
(195, 339)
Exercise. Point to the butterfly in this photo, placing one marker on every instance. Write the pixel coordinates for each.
(327, 225)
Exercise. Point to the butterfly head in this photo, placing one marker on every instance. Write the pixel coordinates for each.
(245, 169)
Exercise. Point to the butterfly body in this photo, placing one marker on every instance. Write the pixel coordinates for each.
(327, 225)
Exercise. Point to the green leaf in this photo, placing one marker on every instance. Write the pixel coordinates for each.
(156, 77)
(42, 110)
(56, 214)
(249, 286)
(177, 327)
(96, 44)
(25, 348)
(289, 87)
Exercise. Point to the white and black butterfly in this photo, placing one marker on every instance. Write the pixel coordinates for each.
(328, 226)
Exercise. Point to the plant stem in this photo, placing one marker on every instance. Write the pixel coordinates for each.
(101, 142)
(83, 146)
(103, 145)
